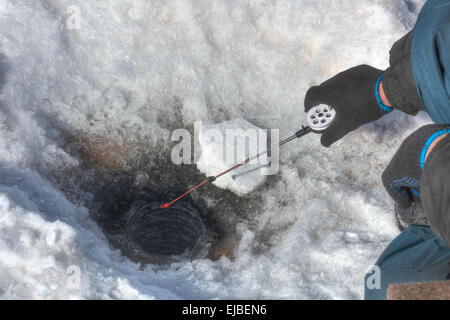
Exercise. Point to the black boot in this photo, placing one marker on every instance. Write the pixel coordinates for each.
(414, 214)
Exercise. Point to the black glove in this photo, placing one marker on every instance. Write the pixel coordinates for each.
(352, 94)
(402, 176)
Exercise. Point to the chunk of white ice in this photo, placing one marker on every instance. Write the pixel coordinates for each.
(226, 144)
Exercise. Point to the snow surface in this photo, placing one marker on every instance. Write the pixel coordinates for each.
(118, 75)
(228, 143)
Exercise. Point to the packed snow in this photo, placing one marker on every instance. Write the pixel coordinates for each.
(132, 71)
(225, 144)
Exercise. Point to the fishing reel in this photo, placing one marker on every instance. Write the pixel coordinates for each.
(320, 117)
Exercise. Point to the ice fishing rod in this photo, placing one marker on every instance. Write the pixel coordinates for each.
(318, 118)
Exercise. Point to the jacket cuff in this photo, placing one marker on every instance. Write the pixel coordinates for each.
(435, 190)
(398, 79)
(437, 151)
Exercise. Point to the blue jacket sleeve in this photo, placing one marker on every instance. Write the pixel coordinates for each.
(430, 59)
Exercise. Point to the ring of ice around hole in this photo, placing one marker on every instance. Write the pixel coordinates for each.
(172, 231)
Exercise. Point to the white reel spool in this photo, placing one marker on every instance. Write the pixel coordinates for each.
(320, 117)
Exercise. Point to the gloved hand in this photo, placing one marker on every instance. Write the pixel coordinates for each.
(352, 94)
(402, 176)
